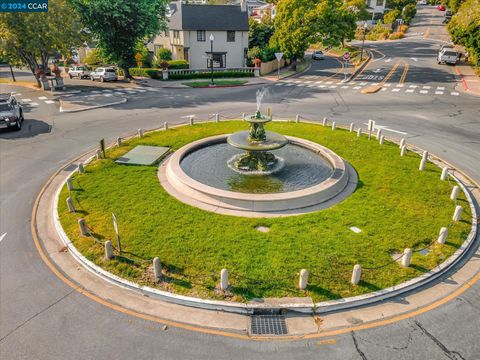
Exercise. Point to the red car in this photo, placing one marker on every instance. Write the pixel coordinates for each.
(441, 7)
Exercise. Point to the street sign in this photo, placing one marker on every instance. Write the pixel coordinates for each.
(279, 56)
(346, 56)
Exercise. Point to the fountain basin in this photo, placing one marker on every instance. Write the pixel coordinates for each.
(188, 190)
(273, 141)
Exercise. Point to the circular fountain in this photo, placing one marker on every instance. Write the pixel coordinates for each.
(257, 160)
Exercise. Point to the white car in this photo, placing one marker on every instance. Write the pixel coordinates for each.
(79, 71)
(422, 2)
(447, 56)
(104, 74)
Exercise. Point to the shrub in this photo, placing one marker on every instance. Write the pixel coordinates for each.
(254, 52)
(164, 54)
(391, 16)
(408, 13)
(178, 64)
(402, 28)
(146, 72)
(396, 35)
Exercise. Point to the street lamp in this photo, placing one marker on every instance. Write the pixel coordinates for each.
(211, 59)
(363, 40)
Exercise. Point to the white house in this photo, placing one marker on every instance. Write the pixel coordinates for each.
(264, 10)
(191, 27)
(376, 6)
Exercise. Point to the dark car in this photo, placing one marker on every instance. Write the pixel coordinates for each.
(11, 113)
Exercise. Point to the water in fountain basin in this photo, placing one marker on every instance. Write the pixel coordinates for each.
(302, 169)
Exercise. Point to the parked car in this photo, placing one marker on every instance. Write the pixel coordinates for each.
(422, 2)
(104, 74)
(441, 7)
(446, 19)
(11, 113)
(79, 71)
(447, 56)
(448, 13)
(318, 55)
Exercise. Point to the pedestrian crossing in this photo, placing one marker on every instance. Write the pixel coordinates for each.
(402, 88)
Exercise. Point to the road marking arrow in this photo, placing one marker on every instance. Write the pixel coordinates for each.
(388, 60)
(1, 237)
(377, 70)
(414, 59)
(387, 128)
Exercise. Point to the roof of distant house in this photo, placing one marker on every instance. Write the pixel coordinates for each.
(207, 17)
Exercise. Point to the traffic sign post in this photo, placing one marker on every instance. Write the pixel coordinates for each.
(279, 56)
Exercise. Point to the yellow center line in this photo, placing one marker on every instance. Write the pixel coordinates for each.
(404, 74)
(389, 75)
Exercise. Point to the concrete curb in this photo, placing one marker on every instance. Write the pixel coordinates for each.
(122, 101)
(242, 308)
(363, 66)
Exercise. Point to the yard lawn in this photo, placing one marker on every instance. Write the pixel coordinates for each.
(395, 205)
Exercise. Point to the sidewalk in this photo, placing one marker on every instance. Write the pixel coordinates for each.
(470, 82)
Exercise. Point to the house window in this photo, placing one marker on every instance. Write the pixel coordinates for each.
(219, 60)
(176, 34)
(379, 2)
(201, 35)
(231, 36)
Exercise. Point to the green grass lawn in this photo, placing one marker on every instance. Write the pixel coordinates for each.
(395, 205)
(217, 83)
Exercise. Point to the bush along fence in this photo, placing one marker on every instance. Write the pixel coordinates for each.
(180, 73)
(301, 280)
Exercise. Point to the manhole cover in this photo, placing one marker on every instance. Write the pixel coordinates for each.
(268, 325)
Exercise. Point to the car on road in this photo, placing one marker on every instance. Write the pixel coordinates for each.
(11, 113)
(79, 71)
(422, 2)
(104, 74)
(441, 7)
(447, 56)
(318, 55)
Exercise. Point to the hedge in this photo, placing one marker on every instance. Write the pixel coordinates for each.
(146, 72)
(206, 75)
(178, 64)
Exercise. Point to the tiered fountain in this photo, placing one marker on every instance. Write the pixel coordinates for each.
(301, 176)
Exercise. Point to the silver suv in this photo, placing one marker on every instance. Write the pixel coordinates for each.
(11, 113)
(104, 74)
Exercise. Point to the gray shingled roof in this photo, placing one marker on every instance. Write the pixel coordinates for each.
(207, 17)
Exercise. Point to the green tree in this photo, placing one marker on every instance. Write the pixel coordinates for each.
(454, 5)
(334, 22)
(96, 57)
(294, 27)
(32, 38)
(164, 54)
(118, 25)
(399, 4)
(260, 32)
(408, 13)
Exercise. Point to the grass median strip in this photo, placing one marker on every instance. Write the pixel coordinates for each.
(395, 205)
(219, 83)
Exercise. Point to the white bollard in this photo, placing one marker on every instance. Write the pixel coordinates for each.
(190, 119)
(402, 143)
(297, 118)
(379, 134)
(224, 279)
(303, 280)
(217, 118)
(356, 274)
(352, 127)
(454, 194)
(157, 268)
(403, 150)
(442, 237)
(69, 184)
(359, 132)
(81, 169)
(324, 121)
(407, 257)
(165, 125)
(444, 173)
(380, 141)
(83, 227)
(71, 207)
(425, 155)
(109, 250)
(334, 125)
(371, 125)
(119, 142)
(423, 163)
(140, 133)
(98, 155)
(457, 215)
(243, 116)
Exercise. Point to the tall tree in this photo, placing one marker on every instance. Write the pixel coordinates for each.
(335, 22)
(118, 25)
(294, 27)
(31, 38)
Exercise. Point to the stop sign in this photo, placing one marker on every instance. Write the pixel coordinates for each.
(346, 56)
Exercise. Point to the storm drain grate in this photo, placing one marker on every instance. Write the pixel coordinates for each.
(268, 325)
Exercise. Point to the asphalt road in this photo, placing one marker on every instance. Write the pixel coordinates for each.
(42, 318)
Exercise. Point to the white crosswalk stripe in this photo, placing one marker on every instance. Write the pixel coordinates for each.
(454, 93)
(423, 92)
(409, 90)
(49, 102)
(26, 100)
(440, 88)
(42, 98)
(438, 92)
(396, 90)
